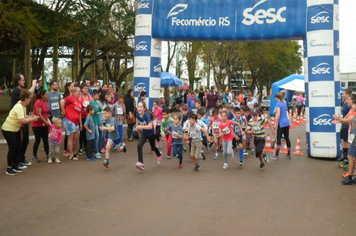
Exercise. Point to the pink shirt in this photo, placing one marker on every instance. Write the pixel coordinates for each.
(159, 116)
(44, 113)
(226, 130)
(55, 134)
(215, 124)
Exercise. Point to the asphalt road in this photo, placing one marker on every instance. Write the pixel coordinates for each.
(302, 196)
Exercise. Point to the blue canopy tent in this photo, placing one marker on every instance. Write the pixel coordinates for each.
(291, 84)
(168, 79)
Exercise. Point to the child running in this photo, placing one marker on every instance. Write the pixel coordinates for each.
(157, 111)
(215, 122)
(118, 112)
(90, 127)
(239, 131)
(144, 123)
(113, 136)
(55, 140)
(177, 138)
(255, 128)
(194, 132)
(166, 122)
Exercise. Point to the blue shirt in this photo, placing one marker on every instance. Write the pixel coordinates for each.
(191, 104)
(345, 110)
(242, 122)
(283, 119)
(89, 122)
(173, 129)
(145, 120)
(230, 116)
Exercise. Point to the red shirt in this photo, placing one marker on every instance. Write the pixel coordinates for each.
(84, 104)
(44, 113)
(73, 109)
(226, 130)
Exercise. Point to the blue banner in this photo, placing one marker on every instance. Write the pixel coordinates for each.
(228, 19)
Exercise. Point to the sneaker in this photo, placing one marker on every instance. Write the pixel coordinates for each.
(21, 167)
(241, 163)
(26, 163)
(35, 159)
(103, 151)
(197, 168)
(226, 166)
(114, 149)
(57, 161)
(89, 159)
(66, 154)
(10, 171)
(342, 158)
(262, 165)
(17, 170)
(184, 149)
(202, 154)
(140, 166)
(152, 152)
(106, 163)
(266, 158)
(97, 156)
(124, 145)
(253, 149)
(160, 144)
(180, 166)
(274, 157)
(49, 160)
(169, 157)
(348, 181)
(216, 156)
(245, 153)
(159, 159)
(289, 156)
(81, 151)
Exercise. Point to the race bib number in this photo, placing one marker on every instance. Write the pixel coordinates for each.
(174, 135)
(158, 122)
(193, 135)
(85, 103)
(216, 125)
(243, 125)
(351, 137)
(119, 111)
(226, 130)
(55, 106)
(256, 129)
(142, 123)
(237, 129)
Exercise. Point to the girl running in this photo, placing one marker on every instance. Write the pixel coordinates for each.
(177, 138)
(157, 111)
(215, 122)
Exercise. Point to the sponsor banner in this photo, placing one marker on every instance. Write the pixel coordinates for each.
(320, 119)
(156, 48)
(338, 93)
(143, 46)
(320, 43)
(320, 18)
(156, 67)
(318, 2)
(319, 146)
(337, 68)
(306, 67)
(307, 123)
(336, 43)
(305, 47)
(336, 17)
(143, 25)
(155, 87)
(144, 7)
(321, 94)
(228, 19)
(142, 67)
(321, 68)
(141, 82)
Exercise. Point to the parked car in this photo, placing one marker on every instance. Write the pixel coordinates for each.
(266, 103)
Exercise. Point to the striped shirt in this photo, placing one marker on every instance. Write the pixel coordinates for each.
(257, 127)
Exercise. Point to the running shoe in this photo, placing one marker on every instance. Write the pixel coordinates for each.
(140, 166)
(180, 166)
(26, 163)
(197, 167)
(21, 167)
(124, 150)
(66, 154)
(274, 157)
(341, 158)
(152, 152)
(57, 161)
(50, 161)
(169, 157)
(266, 158)
(226, 166)
(202, 155)
(184, 149)
(262, 165)
(10, 171)
(289, 156)
(114, 149)
(90, 159)
(348, 181)
(241, 163)
(216, 156)
(245, 153)
(17, 170)
(253, 149)
(159, 159)
(106, 163)
(97, 156)
(35, 159)
(81, 151)
(103, 151)
(160, 144)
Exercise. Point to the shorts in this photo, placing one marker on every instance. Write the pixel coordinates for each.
(236, 143)
(196, 150)
(344, 134)
(216, 135)
(69, 126)
(248, 136)
(259, 146)
(352, 151)
(115, 142)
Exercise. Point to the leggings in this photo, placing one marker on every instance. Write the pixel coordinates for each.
(129, 129)
(40, 133)
(65, 143)
(178, 149)
(13, 141)
(142, 141)
(285, 131)
(24, 143)
(158, 132)
(83, 137)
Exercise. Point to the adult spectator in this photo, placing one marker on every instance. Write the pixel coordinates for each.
(211, 100)
(130, 104)
(182, 96)
(104, 87)
(251, 101)
(241, 97)
(12, 130)
(68, 90)
(53, 100)
(202, 98)
(345, 127)
(92, 86)
(111, 90)
(191, 102)
(40, 127)
(84, 100)
(19, 83)
(71, 111)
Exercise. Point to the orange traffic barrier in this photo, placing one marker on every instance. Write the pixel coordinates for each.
(298, 148)
(285, 148)
(268, 147)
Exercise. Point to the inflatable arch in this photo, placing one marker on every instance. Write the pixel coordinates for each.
(314, 21)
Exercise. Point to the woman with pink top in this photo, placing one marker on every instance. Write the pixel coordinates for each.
(157, 112)
(84, 100)
(40, 127)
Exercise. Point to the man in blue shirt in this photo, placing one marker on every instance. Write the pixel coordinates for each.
(191, 102)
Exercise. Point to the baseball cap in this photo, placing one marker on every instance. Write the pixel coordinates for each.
(255, 111)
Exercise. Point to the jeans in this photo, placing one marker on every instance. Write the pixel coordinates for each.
(40, 133)
(142, 142)
(90, 149)
(96, 140)
(178, 149)
(13, 140)
(120, 130)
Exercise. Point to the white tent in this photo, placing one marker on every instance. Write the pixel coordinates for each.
(294, 85)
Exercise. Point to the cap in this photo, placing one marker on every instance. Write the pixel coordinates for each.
(255, 111)
(212, 87)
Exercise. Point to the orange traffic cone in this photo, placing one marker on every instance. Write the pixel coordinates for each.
(285, 148)
(290, 126)
(298, 149)
(298, 122)
(295, 124)
(272, 121)
(266, 117)
(268, 147)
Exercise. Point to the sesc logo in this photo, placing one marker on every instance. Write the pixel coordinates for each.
(143, 4)
(339, 94)
(141, 46)
(261, 16)
(138, 87)
(323, 119)
(157, 68)
(321, 17)
(156, 87)
(322, 68)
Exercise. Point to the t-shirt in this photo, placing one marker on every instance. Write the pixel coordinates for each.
(113, 135)
(195, 133)
(173, 130)
(145, 119)
(230, 116)
(215, 124)
(251, 103)
(89, 122)
(257, 127)
(55, 134)
(212, 99)
(12, 123)
(73, 109)
(241, 98)
(53, 104)
(84, 104)
(242, 121)
(184, 119)
(233, 105)
(118, 112)
(15, 97)
(159, 116)
(166, 124)
(191, 105)
(345, 110)
(283, 119)
(226, 130)
(44, 113)
(97, 110)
